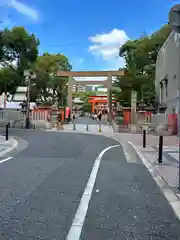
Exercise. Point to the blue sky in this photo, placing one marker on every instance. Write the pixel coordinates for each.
(90, 32)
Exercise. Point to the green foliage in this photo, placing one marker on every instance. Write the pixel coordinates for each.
(140, 57)
(9, 81)
(18, 50)
(87, 107)
(84, 95)
(48, 84)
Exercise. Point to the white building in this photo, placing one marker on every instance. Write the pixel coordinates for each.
(168, 74)
(166, 82)
(18, 98)
(102, 90)
(79, 88)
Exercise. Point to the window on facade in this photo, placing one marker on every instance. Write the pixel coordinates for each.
(166, 87)
(161, 92)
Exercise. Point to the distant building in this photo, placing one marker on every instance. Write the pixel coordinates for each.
(96, 87)
(79, 88)
(18, 98)
(88, 88)
(102, 90)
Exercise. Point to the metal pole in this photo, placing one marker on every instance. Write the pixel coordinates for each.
(74, 126)
(160, 154)
(87, 127)
(144, 138)
(28, 103)
(7, 132)
(100, 126)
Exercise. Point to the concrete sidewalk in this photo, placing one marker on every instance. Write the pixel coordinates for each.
(7, 146)
(151, 140)
(169, 167)
(82, 128)
(166, 174)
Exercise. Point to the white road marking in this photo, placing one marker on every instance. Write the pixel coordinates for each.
(174, 155)
(78, 221)
(6, 159)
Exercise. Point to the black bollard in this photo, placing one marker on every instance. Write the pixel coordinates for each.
(74, 126)
(7, 132)
(144, 138)
(160, 154)
(87, 128)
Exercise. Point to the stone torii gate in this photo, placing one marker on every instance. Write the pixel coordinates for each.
(107, 83)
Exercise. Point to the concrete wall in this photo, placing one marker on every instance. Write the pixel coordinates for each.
(16, 118)
(158, 119)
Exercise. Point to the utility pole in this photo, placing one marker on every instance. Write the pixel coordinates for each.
(28, 76)
(28, 101)
(174, 21)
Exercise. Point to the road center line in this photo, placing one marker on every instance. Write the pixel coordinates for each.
(6, 159)
(79, 218)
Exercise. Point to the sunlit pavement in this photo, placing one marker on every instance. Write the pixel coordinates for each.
(43, 189)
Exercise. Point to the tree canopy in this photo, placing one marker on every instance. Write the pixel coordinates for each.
(48, 84)
(19, 52)
(140, 59)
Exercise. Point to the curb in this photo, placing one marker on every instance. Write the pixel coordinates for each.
(14, 144)
(171, 197)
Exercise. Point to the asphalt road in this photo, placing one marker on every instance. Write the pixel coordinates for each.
(42, 190)
(86, 120)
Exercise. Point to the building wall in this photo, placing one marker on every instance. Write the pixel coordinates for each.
(167, 68)
(79, 88)
(88, 88)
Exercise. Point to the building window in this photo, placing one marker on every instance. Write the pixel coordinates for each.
(161, 92)
(166, 86)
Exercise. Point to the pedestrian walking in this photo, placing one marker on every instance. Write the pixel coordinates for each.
(99, 116)
(59, 122)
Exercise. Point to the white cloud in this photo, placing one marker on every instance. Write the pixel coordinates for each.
(24, 9)
(106, 46)
(81, 60)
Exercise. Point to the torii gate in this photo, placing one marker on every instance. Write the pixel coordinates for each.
(107, 83)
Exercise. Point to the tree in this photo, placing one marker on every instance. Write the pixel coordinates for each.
(9, 80)
(18, 51)
(50, 87)
(84, 95)
(140, 57)
(87, 107)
